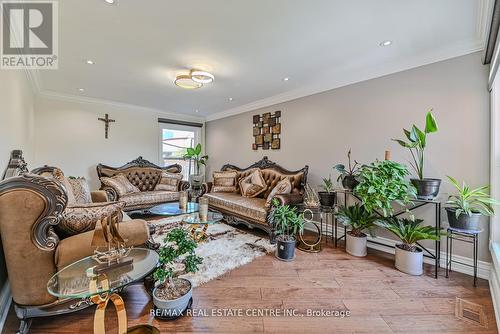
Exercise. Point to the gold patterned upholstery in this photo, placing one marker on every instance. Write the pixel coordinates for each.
(272, 177)
(250, 207)
(137, 200)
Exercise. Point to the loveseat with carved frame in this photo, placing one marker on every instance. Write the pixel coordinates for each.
(144, 175)
(252, 212)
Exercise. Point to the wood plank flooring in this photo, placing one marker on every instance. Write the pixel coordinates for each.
(380, 299)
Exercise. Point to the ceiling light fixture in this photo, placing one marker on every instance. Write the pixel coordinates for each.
(385, 43)
(196, 110)
(286, 79)
(81, 89)
(230, 99)
(111, 2)
(195, 79)
(202, 76)
(90, 62)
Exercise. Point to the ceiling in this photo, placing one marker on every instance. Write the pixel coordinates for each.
(140, 46)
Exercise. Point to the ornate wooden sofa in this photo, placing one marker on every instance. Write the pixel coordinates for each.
(144, 175)
(252, 212)
(31, 206)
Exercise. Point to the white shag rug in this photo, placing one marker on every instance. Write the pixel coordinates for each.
(226, 248)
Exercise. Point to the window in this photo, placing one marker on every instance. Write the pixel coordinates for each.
(174, 140)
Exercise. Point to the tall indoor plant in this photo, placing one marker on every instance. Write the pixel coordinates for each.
(381, 184)
(409, 257)
(327, 196)
(348, 175)
(195, 154)
(468, 205)
(359, 220)
(288, 223)
(177, 256)
(427, 188)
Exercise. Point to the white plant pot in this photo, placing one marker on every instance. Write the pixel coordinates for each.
(173, 307)
(355, 245)
(409, 262)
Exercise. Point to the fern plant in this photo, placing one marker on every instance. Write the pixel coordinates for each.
(409, 231)
(358, 218)
(469, 200)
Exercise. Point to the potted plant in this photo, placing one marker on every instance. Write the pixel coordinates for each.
(177, 256)
(359, 220)
(381, 184)
(348, 176)
(466, 208)
(327, 197)
(409, 257)
(427, 188)
(195, 154)
(288, 223)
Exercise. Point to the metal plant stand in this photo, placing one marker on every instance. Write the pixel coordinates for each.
(414, 204)
(468, 236)
(314, 246)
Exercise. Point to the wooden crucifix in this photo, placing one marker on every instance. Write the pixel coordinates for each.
(106, 121)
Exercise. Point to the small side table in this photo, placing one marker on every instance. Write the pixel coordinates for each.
(468, 236)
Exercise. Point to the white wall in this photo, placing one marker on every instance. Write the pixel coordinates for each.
(68, 135)
(318, 130)
(16, 116)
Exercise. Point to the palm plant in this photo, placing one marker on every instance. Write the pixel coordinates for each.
(287, 222)
(409, 231)
(417, 141)
(358, 218)
(469, 201)
(195, 154)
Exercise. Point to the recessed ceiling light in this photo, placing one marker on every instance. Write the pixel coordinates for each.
(202, 76)
(230, 99)
(196, 110)
(385, 43)
(111, 2)
(185, 81)
(81, 89)
(286, 79)
(90, 62)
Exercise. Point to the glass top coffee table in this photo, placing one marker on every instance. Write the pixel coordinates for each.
(172, 209)
(78, 280)
(198, 227)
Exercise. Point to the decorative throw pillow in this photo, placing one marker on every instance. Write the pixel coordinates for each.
(169, 181)
(82, 218)
(120, 184)
(224, 182)
(253, 184)
(282, 187)
(80, 189)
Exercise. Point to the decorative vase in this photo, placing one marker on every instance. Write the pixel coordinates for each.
(327, 198)
(427, 189)
(464, 221)
(285, 250)
(173, 308)
(409, 262)
(349, 182)
(203, 208)
(356, 246)
(196, 180)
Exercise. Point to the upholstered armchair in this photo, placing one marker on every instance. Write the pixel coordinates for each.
(31, 206)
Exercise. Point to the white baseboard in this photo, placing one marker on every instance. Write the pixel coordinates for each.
(5, 301)
(483, 268)
(494, 280)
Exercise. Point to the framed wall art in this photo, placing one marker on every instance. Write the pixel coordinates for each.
(267, 131)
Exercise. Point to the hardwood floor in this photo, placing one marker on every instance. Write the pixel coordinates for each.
(380, 299)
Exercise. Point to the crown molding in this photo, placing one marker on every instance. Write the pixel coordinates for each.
(53, 95)
(350, 78)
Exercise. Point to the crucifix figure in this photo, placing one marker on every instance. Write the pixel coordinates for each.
(106, 121)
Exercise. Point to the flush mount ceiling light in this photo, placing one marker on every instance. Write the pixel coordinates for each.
(195, 79)
(185, 81)
(111, 2)
(90, 62)
(385, 43)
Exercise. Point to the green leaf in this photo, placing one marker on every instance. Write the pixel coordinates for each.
(421, 136)
(430, 123)
(190, 151)
(197, 150)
